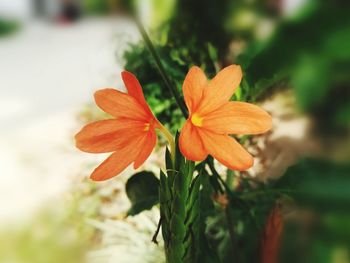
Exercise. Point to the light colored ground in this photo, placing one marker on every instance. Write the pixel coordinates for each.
(48, 72)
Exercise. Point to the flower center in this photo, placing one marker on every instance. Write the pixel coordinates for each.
(147, 126)
(196, 120)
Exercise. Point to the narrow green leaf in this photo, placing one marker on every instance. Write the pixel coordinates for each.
(168, 161)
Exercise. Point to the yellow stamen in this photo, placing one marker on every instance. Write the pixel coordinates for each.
(197, 120)
(147, 126)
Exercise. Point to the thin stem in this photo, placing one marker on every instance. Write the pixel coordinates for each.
(154, 238)
(161, 69)
(170, 139)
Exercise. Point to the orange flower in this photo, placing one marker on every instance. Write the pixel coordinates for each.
(130, 136)
(212, 117)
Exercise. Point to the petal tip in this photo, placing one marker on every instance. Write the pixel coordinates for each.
(269, 123)
(126, 73)
(195, 68)
(249, 164)
(98, 178)
(237, 69)
(95, 178)
(102, 92)
(136, 165)
(242, 167)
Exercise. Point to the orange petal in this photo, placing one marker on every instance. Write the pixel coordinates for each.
(191, 145)
(226, 150)
(238, 118)
(120, 104)
(135, 90)
(150, 141)
(117, 162)
(193, 86)
(220, 89)
(107, 135)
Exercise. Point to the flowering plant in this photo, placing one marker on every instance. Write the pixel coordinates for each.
(208, 215)
(131, 136)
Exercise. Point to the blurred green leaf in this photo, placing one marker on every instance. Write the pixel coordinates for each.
(142, 190)
(311, 81)
(7, 27)
(95, 7)
(293, 39)
(318, 183)
(310, 52)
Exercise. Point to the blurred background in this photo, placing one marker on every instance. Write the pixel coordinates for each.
(54, 54)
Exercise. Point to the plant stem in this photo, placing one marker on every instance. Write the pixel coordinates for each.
(154, 238)
(161, 69)
(170, 139)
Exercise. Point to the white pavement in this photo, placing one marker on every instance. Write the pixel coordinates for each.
(47, 73)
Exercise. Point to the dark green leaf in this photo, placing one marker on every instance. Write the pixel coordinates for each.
(142, 191)
(168, 161)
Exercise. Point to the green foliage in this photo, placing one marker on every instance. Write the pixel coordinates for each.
(180, 209)
(318, 187)
(142, 190)
(7, 27)
(321, 184)
(311, 52)
(321, 190)
(96, 7)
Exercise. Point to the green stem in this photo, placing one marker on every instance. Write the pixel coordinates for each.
(170, 139)
(161, 69)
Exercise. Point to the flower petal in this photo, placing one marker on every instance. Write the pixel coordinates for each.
(220, 89)
(120, 104)
(135, 90)
(107, 135)
(238, 118)
(193, 86)
(117, 162)
(226, 150)
(150, 141)
(191, 145)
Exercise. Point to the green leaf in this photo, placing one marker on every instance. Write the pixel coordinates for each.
(180, 160)
(317, 183)
(142, 191)
(164, 197)
(168, 161)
